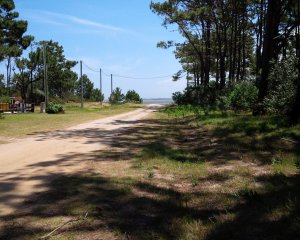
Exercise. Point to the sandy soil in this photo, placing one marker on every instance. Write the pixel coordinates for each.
(27, 165)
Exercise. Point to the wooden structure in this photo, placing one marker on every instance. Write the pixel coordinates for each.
(16, 105)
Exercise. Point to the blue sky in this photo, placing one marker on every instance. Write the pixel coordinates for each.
(116, 35)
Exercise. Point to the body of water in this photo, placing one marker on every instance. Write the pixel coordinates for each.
(158, 101)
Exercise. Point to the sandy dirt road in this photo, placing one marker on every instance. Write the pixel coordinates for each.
(27, 165)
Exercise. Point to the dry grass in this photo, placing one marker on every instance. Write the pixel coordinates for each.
(19, 125)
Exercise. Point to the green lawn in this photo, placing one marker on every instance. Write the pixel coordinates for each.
(19, 125)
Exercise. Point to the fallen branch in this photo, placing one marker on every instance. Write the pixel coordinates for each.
(83, 217)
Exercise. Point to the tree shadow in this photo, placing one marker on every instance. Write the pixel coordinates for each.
(135, 209)
(272, 214)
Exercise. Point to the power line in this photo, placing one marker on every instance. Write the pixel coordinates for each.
(128, 77)
(93, 70)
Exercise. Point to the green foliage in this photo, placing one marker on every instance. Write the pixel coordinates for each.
(4, 99)
(247, 193)
(2, 86)
(133, 96)
(224, 102)
(204, 96)
(182, 111)
(282, 87)
(97, 95)
(30, 72)
(12, 30)
(61, 78)
(117, 96)
(150, 172)
(243, 96)
(88, 87)
(54, 108)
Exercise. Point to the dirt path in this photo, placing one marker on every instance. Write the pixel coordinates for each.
(27, 165)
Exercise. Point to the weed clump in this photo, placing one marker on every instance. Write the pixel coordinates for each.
(54, 108)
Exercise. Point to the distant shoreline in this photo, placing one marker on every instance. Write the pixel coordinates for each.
(157, 101)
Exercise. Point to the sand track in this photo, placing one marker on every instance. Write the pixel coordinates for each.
(28, 165)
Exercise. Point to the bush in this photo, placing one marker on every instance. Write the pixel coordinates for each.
(4, 99)
(282, 87)
(240, 97)
(204, 96)
(54, 108)
(178, 98)
(117, 96)
(224, 102)
(243, 96)
(133, 96)
(97, 95)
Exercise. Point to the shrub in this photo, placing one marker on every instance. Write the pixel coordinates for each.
(224, 102)
(204, 96)
(4, 99)
(54, 108)
(97, 95)
(117, 96)
(133, 96)
(178, 98)
(243, 96)
(282, 87)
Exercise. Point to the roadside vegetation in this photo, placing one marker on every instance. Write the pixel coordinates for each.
(20, 125)
(182, 174)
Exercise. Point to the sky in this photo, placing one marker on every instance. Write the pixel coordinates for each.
(117, 36)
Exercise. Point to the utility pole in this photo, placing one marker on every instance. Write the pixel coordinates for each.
(101, 80)
(111, 83)
(81, 84)
(45, 75)
(101, 83)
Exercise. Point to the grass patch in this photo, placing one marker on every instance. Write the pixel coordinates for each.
(17, 125)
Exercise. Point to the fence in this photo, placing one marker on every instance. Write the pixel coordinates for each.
(16, 107)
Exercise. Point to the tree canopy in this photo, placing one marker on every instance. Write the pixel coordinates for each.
(232, 41)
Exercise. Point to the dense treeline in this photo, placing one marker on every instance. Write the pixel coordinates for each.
(229, 42)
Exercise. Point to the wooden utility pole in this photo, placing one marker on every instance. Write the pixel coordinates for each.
(101, 80)
(45, 75)
(111, 83)
(81, 80)
(101, 85)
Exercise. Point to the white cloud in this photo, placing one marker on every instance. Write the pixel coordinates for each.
(70, 20)
(94, 24)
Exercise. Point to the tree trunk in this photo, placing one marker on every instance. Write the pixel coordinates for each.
(295, 113)
(269, 45)
(208, 54)
(259, 41)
